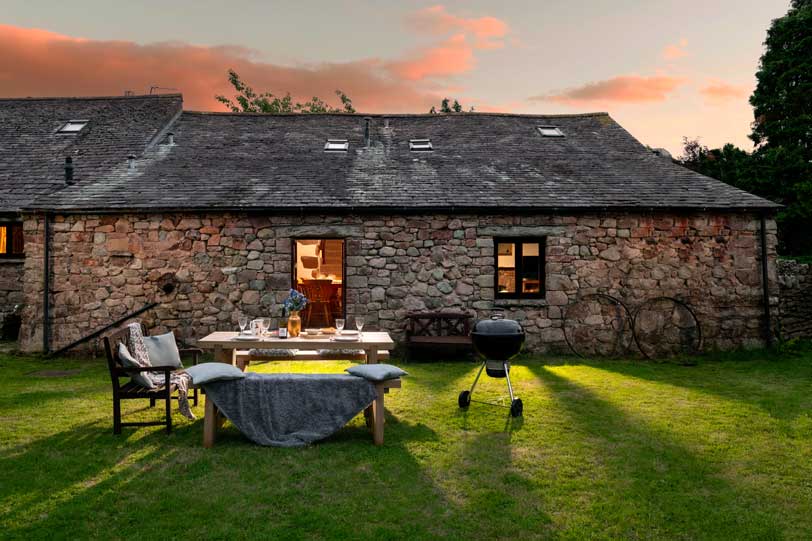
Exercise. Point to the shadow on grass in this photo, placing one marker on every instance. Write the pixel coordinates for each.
(652, 483)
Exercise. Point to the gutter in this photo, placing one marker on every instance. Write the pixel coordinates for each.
(765, 286)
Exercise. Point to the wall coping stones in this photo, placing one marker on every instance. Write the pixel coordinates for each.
(328, 230)
(521, 231)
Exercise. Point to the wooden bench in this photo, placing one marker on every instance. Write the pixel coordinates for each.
(242, 358)
(438, 333)
(374, 415)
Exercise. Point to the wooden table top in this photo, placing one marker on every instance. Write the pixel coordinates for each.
(225, 339)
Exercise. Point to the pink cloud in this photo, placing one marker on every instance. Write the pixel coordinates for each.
(717, 91)
(487, 32)
(621, 89)
(452, 57)
(675, 51)
(41, 63)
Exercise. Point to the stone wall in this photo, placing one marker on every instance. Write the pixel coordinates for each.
(795, 306)
(106, 266)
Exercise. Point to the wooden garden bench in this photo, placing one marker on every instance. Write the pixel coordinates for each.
(441, 332)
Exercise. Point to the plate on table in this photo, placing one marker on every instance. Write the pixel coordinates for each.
(310, 336)
(346, 338)
(246, 337)
(349, 333)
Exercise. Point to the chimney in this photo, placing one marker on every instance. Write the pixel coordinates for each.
(69, 171)
(171, 137)
(131, 162)
(367, 120)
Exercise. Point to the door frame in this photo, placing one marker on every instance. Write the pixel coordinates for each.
(294, 266)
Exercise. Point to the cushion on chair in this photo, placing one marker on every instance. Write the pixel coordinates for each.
(376, 372)
(128, 361)
(207, 372)
(163, 350)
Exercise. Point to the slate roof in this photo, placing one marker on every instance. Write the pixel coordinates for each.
(480, 161)
(32, 153)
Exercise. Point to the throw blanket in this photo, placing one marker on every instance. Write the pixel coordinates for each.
(180, 380)
(290, 410)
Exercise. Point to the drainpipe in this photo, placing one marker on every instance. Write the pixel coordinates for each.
(765, 286)
(46, 287)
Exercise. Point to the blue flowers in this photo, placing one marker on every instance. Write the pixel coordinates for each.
(295, 302)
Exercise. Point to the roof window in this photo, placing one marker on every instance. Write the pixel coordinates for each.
(73, 126)
(550, 131)
(336, 145)
(420, 145)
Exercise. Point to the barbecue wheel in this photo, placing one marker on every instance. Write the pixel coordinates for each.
(464, 400)
(516, 407)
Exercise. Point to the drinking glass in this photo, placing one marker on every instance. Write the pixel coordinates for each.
(266, 325)
(359, 323)
(339, 325)
(243, 321)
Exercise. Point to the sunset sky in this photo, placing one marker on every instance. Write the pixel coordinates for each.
(663, 69)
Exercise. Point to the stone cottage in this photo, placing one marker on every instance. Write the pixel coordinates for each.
(216, 214)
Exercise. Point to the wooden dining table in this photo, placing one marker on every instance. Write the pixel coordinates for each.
(225, 346)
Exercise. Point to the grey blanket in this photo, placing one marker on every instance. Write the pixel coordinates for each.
(290, 410)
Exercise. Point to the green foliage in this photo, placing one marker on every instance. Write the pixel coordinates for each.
(446, 106)
(780, 168)
(247, 100)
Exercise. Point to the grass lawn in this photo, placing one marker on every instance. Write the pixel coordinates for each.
(606, 449)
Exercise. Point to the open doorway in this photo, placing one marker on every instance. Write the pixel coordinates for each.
(318, 272)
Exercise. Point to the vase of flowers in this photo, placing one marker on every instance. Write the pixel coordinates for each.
(294, 304)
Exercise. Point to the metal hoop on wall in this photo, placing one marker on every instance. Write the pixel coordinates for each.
(622, 316)
(695, 342)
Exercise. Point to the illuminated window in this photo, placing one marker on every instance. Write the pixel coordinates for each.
(11, 240)
(519, 267)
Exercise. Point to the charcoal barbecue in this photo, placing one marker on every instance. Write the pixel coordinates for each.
(496, 340)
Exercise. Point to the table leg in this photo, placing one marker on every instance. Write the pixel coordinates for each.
(371, 355)
(377, 417)
(223, 355)
(210, 424)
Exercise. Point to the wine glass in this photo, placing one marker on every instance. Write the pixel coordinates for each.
(359, 323)
(339, 325)
(266, 325)
(243, 321)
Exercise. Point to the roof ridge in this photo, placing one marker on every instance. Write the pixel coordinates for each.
(92, 98)
(403, 115)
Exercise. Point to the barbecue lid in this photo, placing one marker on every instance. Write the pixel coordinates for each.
(497, 325)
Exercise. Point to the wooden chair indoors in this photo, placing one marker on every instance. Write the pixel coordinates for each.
(133, 391)
(319, 294)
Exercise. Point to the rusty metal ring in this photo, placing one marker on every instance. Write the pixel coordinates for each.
(677, 302)
(613, 300)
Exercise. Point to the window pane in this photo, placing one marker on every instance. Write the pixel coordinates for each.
(17, 244)
(3, 240)
(531, 267)
(506, 267)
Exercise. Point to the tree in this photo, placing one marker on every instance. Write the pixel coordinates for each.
(782, 130)
(447, 107)
(247, 100)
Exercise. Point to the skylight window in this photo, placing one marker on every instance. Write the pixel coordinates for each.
(420, 145)
(73, 126)
(550, 131)
(336, 145)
